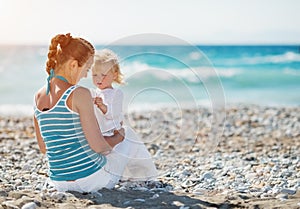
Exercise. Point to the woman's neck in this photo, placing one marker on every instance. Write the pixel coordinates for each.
(63, 74)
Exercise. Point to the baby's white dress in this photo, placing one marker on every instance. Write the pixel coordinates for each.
(130, 159)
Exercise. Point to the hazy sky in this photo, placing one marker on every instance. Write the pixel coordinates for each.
(195, 21)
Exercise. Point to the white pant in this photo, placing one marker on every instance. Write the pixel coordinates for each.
(129, 159)
(92, 183)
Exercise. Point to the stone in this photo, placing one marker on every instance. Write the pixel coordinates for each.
(30, 205)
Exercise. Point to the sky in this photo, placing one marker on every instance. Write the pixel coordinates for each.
(194, 21)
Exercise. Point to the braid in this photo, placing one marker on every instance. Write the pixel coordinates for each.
(64, 47)
(89, 45)
(51, 63)
(57, 44)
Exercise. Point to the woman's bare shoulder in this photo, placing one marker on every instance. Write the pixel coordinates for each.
(82, 91)
(82, 95)
(40, 92)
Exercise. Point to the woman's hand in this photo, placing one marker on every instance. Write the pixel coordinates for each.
(120, 133)
(117, 138)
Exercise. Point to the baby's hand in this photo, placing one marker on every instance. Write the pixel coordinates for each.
(99, 102)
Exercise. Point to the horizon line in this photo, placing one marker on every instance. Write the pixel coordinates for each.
(172, 44)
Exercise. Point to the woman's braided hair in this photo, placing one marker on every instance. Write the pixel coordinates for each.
(63, 47)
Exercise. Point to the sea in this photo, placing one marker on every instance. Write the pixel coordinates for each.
(182, 76)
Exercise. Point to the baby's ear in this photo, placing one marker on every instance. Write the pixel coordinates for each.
(115, 75)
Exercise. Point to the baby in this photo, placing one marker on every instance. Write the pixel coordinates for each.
(138, 164)
(109, 100)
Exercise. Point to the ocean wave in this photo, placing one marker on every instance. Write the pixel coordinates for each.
(138, 70)
(195, 55)
(204, 73)
(287, 57)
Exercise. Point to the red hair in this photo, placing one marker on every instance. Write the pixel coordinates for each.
(64, 47)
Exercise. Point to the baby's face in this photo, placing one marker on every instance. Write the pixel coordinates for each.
(103, 75)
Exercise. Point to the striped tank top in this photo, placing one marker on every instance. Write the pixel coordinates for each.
(69, 155)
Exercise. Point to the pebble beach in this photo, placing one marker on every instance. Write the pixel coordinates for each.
(252, 161)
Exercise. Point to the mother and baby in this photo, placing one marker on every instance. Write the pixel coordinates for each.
(81, 130)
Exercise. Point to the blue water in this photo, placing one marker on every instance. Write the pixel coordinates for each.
(171, 75)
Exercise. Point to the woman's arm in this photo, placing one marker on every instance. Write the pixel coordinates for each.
(82, 103)
(39, 138)
(116, 138)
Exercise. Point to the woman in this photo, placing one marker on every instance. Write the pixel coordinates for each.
(65, 124)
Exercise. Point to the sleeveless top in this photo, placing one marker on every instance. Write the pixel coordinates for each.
(69, 155)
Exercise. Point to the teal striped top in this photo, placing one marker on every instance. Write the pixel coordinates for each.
(69, 155)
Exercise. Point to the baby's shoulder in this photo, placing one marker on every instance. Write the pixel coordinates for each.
(113, 94)
(118, 91)
(112, 91)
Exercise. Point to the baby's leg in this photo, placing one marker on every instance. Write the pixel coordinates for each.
(140, 165)
(122, 153)
(130, 159)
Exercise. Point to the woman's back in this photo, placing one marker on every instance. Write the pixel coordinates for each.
(69, 154)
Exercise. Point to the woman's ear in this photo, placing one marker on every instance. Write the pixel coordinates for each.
(73, 64)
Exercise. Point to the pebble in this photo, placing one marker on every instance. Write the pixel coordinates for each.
(257, 152)
(282, 196)
(177, 203)
(155, 196)
(126, 202)
(58, 196)
(139, 200)
(30, 205)
(10, 204)
(288, 191)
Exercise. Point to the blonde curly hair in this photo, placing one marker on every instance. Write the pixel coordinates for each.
(105, 56)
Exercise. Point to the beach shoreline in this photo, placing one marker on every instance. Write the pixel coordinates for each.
(252, 161)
